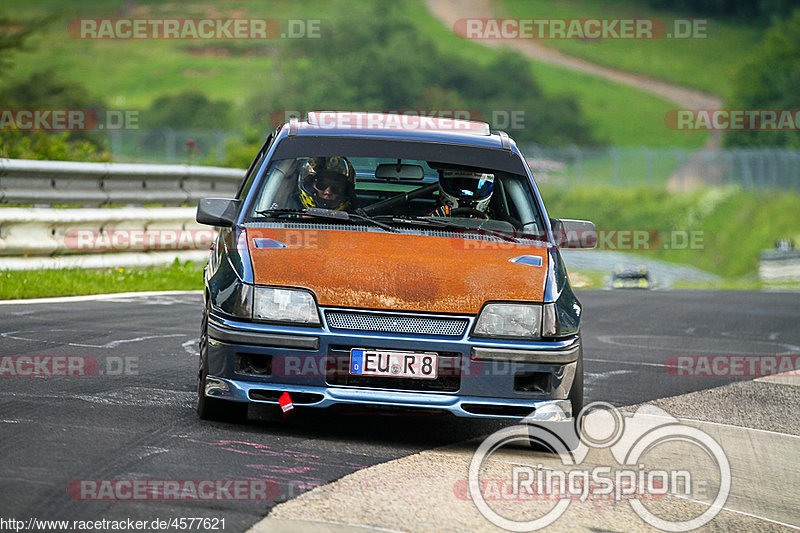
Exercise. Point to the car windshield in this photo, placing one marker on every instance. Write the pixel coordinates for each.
(396, 192)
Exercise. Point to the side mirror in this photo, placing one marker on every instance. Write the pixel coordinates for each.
(218, 211)
(574, 233)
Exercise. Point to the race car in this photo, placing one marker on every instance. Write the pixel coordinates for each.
(389, 261)
(630, 278)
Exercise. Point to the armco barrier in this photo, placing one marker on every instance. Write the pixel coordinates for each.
(30, 182)
(46, 237)
(47, 231)
(33, 238)
(117, 260)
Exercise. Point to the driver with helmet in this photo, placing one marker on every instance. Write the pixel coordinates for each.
(327, 182)
(464, 193)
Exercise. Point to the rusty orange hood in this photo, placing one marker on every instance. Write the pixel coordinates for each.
(376, 270)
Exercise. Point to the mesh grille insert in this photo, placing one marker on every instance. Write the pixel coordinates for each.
(391, 323)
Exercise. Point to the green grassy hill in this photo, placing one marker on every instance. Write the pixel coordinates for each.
(131, 74)
(707, 63)
(736, 224)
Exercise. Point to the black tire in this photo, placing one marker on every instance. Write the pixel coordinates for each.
(576, 391)
(214, 408)
(576, 399)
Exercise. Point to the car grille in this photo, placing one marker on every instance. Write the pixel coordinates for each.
(396, 323)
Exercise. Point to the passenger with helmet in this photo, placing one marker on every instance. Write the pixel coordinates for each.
(464, 193)
(327, 182)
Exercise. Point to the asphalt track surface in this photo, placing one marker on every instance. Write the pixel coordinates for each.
(139, 422)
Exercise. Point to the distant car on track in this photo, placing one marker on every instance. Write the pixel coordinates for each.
(378, 261)
(630, 278)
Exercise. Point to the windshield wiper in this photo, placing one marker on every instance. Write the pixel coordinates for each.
(327, 214)
(443, 224)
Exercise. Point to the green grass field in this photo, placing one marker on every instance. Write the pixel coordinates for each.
(70, 282)
(616, 113)
(708, 64)
(735, 225)
(615, 166)
(131, 74)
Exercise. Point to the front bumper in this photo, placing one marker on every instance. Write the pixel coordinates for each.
(480, 378)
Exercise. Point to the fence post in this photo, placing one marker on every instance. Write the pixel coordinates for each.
(615, 160)
(648, 155)
(169, 143)
(680, 156)
(220, 137)
(578, 162)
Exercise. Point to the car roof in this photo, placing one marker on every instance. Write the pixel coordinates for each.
(398, 127)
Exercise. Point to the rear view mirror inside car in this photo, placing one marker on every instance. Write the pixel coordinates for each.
(391, 171)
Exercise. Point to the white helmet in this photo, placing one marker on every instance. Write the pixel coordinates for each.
(460, 188)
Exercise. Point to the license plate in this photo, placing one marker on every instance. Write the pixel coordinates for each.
(393, 364)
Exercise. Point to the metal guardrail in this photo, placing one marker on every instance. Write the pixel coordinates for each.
(95, 184)
(779, 265)
(92, 238)
(34, 238)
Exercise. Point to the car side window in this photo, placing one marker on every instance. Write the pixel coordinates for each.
(278, 187)
(247, 182)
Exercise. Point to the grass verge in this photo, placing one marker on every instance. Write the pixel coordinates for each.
(590, 279)
(733, 225)
(74, 281)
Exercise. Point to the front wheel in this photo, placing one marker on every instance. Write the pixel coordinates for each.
(576, 391)
(214, 408)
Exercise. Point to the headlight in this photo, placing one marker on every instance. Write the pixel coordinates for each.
(509, 320)
(285, 305)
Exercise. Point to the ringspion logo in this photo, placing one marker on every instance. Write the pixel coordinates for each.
(628, 477)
